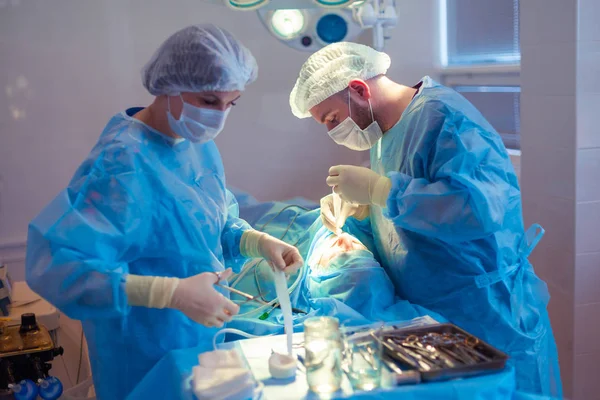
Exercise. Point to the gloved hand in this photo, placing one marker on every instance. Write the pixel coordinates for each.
(346, 210)
(280, 255)
(195, 296)
(198, 298)
(359, 185)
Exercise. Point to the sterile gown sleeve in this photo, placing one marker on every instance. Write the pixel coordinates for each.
(232, 235)
(79, 247)
(465, 189)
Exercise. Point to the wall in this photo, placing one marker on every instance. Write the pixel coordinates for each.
(587, 194)
(560, 72)
(66, 66)
(548, 150)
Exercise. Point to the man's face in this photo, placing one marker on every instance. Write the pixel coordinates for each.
(333, 110)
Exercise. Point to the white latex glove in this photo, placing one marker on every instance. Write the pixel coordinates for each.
(198, 298)
(195, 296)
(346, 210)
(359, 185)
(279, 254)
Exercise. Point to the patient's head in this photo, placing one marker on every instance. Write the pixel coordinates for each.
(331, 247)
(341, 268)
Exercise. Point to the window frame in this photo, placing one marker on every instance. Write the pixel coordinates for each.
(444, 59)
(482, 74)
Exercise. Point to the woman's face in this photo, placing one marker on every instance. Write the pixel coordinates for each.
(333, 246)
(213, 100)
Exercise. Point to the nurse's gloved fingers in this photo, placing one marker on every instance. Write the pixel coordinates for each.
(333, 181)
(224, 314)
(292, 268)
(341, 221)
(293, 261)
(224, 275)
(230, 308)
(328, 223)
(276, 261)
(208, 322)
(297, 258)
(213, 323)
(335, 170)
(223, 317)
(327, 213)
(327, 207)
(220, 323)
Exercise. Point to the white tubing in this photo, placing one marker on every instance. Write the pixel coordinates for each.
(236, 331)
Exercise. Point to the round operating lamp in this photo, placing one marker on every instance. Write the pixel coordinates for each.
(334, 3)
(332, 28)
(287, 24)
(310, 29)
(246, 4)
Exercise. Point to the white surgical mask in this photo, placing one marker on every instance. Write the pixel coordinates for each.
(349, 134)
(198, 125)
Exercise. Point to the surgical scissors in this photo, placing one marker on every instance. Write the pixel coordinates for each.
(258, 298)
(248, 297)
(457, 345)
(429, 351)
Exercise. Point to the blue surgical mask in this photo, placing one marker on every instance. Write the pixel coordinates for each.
(198, 125)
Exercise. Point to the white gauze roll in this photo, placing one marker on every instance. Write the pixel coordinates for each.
(286, 306)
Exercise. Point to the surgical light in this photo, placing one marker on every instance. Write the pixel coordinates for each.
(287, 24)
(332, 28)
(334, 3)
(289, 4)
(246, 4)
(309, 25)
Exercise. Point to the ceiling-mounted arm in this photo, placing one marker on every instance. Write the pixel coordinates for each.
(378, 15)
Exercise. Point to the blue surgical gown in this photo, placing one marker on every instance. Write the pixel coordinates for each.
(452, 237)
(143, 204)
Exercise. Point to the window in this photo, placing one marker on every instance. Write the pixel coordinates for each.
(482, 32)
(480, 59)
(500, 105)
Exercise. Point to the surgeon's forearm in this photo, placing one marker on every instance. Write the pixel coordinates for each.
(249, 245)
(150, 291)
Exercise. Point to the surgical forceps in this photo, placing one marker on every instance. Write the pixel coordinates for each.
(408, 357)
(429, 351)
(247, 296)
(458, 346)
